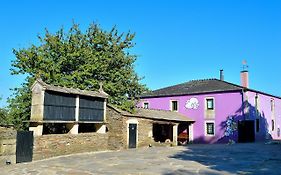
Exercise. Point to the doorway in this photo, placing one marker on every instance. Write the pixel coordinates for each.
(183, 134)
(24, 146)
(246, 131)
(132, 135)
(162, 132)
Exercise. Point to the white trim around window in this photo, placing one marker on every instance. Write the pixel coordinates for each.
(145, 105)
(212, 124)
(211, 99)
(171, 105)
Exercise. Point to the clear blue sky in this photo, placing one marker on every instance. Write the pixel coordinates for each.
(176, 40)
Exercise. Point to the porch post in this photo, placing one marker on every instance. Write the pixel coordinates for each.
(175, 134)
(190, 133)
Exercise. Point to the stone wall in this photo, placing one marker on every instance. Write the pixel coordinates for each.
(117, 131)
(7, 145)
(114, 139)
(62, 144)
(117, 138)
(145, 132)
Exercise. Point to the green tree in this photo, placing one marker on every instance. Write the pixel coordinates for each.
(80, 60)
(3, 115)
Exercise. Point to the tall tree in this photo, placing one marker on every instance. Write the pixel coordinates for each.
(80, 60)
(3, 115)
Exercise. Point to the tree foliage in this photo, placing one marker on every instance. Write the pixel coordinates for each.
(80, 60)
(3, 116)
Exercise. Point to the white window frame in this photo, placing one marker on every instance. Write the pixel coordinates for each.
(171, 105)
(257, 103)
(272, 104)
(205, 126)
(206, 103)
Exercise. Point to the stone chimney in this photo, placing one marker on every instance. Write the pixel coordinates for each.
(221, 75)
(244, 74)
(244, 78)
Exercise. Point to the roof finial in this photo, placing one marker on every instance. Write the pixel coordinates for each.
(101, 89)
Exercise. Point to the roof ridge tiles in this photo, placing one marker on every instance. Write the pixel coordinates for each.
(153, 109)
(205, 79)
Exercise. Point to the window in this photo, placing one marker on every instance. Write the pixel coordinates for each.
(145, 105)
(210, 128)
(256, 101)
(174, 106)
(272, 125)
(210, 104)
(256, 105)
(257, 125)
(272, 104)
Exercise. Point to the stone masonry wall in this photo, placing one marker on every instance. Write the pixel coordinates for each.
(117, 131)
(117, 138)
(62, 144)
(7, 145)
(145, 132)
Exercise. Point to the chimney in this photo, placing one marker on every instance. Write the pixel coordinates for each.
(244, 78)
(221, 75)
(244, 74)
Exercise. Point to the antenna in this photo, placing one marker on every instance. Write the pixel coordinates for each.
(245, 65)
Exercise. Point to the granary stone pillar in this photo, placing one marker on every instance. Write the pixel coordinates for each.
(37, 128)
(37, 104)
(73, 128)
(101, 128)
(175, 134)
(37, 109)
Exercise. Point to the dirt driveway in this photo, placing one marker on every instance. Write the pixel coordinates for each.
(193, 159)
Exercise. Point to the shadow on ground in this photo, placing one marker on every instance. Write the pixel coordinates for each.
(254, 158)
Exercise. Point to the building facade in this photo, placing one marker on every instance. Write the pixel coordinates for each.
(222, 111)
(57, 109)
(66, 121)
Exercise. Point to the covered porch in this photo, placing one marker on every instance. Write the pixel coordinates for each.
(169, 127)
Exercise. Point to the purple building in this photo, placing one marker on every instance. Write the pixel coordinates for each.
(222, 111)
